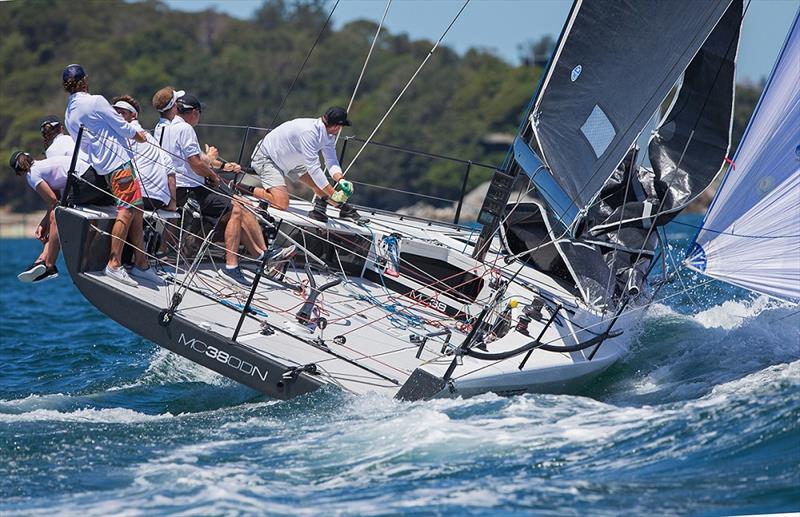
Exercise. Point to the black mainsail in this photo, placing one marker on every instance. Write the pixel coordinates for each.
(615, 62)
(609, 76)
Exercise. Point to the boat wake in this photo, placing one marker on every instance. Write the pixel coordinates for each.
(683, 356)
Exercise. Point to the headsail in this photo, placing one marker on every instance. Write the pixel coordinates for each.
(615, 65)
(751, 234)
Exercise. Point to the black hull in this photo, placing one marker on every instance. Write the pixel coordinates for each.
(86, 249)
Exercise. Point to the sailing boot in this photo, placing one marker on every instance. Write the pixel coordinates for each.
(346, 211)
(318, 213)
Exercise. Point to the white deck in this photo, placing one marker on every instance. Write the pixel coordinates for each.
(377, 323)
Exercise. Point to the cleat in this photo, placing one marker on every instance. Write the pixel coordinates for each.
(148, 275)
(234, 276)
(120, 275)
(49, 274)
(32, 272)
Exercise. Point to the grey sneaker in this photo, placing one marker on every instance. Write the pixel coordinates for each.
(120, 275)
(281, 254)
(234, 276)
(49, 274)
(147, 275)
(346, 211)
(32, 272)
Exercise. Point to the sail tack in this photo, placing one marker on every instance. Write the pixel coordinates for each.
(751, 234)
(613, 67)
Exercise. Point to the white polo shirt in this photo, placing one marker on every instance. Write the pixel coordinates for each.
(297, 143)
(180, 141)
(64, 145)
(52, 171)
(154, 165)
(106, 135)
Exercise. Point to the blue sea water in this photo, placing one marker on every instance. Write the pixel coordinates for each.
(701, 418)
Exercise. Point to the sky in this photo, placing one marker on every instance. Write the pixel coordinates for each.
(503, 25)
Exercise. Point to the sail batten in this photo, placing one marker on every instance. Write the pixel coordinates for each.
(751, 234)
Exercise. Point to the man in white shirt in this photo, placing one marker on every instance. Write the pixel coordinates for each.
(48, 178)
(292, 150)
(180, 112)
(156, 173)
(104, 140)
(56, 142)
(92, 189)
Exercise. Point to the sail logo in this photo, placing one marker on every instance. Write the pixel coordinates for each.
(223, 357)
(576, 72)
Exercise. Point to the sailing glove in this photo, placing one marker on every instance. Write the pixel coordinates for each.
(344, 189)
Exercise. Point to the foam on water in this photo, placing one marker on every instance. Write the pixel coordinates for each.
(700, 417)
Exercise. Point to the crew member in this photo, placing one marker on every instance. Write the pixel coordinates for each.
(153, 163)
(104, 140)
(48, 178)
(180, 112)
(292, 150)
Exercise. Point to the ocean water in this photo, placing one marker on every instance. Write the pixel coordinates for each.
(701, 418)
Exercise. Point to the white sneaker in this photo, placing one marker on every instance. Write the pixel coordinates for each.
(281, 254)
(148, 275)
(120, 275)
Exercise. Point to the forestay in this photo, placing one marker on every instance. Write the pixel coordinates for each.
(613, 67)
(751, 234)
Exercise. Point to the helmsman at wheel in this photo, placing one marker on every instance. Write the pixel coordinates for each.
(292, 150)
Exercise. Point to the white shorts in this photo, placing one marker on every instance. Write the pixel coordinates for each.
(270, 174)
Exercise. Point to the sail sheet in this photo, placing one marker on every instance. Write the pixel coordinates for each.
(611, 70)
(751, 234)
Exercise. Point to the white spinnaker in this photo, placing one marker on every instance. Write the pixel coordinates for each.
(751, 234)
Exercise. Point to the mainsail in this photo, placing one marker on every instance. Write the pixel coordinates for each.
(750, 236)
(611, 70)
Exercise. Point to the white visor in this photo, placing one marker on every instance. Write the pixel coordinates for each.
(177, 94)
(126, 106)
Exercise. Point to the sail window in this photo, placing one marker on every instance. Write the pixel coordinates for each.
(598, 130)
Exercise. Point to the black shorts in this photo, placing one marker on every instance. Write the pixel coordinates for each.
(90, 189)
(212, 205)
(151, 204)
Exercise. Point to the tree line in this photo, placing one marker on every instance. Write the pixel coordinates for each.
(242, 71)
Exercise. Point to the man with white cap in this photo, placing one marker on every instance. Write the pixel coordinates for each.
(105, 141)
(156, 173)
(176, 133)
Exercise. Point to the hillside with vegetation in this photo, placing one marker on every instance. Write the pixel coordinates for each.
(242, 70)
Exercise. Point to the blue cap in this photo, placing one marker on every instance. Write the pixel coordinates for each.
(73, 71)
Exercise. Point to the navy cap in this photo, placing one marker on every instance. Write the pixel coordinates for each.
(188, 101)
(337, 116)
(50, 120)
(14, 157)
(73, 71)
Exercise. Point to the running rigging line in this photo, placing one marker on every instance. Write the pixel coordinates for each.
(403, 91)
(294, 81)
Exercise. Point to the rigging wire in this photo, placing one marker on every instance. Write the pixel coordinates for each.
(403, 91)
(366, 61)
(308, 55)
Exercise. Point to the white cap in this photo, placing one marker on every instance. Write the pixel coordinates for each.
(176, 94)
